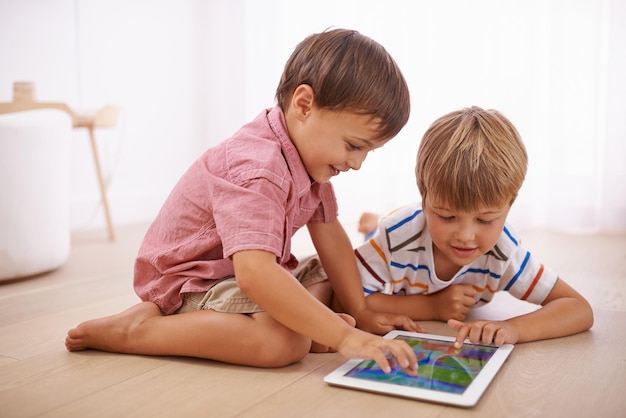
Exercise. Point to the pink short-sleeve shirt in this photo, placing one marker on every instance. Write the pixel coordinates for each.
(251, 192)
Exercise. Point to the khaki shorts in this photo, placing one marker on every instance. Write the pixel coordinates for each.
(228, 298)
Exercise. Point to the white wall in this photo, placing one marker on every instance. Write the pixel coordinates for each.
(187, 73)
(551, 66)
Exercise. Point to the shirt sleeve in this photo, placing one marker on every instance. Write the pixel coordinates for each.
(526, 278)
(372, 261)
(250, 215)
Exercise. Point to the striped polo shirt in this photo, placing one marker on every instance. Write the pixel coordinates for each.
(398, 259)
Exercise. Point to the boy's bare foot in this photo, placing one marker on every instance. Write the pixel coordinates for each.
(320, 348)
(111, 332)
(368, 222)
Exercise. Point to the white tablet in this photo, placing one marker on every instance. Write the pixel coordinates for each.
(455, 376)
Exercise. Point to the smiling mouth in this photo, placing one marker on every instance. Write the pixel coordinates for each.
(463, 252)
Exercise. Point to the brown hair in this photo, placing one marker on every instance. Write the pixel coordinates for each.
(471, 157)
(348, 72)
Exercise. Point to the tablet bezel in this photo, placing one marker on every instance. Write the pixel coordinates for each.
(468, 398)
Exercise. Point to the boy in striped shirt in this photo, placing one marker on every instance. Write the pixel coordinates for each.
(438, 260)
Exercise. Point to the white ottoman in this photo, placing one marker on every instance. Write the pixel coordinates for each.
(34, 192)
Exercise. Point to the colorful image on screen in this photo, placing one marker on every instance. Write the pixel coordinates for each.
(441, 366)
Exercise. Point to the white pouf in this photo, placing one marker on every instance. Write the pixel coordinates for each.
(34, 192)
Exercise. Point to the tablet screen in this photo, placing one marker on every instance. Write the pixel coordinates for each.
(456, 376)
(441, 366)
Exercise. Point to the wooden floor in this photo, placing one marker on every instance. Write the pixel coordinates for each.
(578, 376)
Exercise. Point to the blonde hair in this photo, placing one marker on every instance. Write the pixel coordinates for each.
(349, 71)
(471, 158)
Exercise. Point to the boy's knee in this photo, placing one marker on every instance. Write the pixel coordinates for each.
(284, 349)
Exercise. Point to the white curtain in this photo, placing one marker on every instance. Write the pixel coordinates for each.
(556, 68)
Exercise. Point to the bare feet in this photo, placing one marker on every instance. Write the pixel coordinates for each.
(368, 222)
(111, 332)
(320, 348)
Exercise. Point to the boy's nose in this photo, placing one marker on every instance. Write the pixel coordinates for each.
(356, 162)
(465, 233)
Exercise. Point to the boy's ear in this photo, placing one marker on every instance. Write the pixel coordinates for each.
(302, 101)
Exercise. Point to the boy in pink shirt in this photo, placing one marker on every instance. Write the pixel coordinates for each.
(216, 263)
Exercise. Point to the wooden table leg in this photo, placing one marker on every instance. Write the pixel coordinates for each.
(103, 193)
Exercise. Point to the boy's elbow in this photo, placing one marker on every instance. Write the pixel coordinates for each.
(247, 280)
(588, 322)
(582, 314)
(244, 283)
(246, 265)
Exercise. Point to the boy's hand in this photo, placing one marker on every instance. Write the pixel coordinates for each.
(453, 302)
(381, 322)
(484, 332)
(387, 353)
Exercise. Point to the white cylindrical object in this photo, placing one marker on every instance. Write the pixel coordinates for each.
(34, 192)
